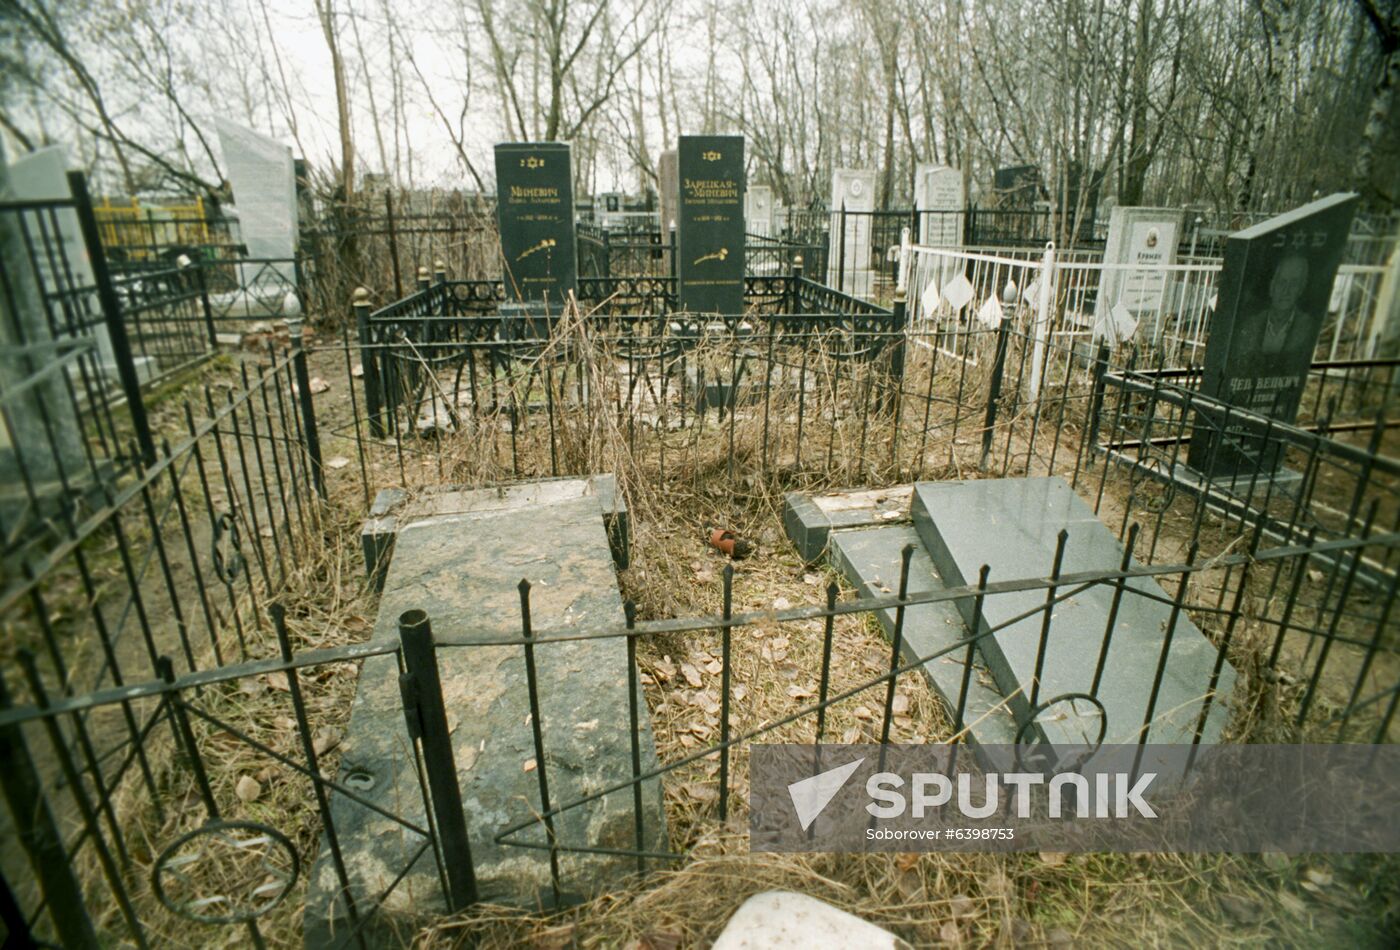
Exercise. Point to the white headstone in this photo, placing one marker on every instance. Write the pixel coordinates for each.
(668, 171)
(941, 202)
(1141, 245)
(40, 436)
(758, 210)
(848, 258)
(263, 177)
(42, 175)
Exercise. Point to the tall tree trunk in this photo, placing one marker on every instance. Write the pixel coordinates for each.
(1382, 101)
(326, 13)
(1139, 156)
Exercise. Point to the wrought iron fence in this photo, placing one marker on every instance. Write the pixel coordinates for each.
(181, 579)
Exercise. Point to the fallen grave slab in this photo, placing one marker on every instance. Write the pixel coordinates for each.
(871, 559)
(864, 534)
(1012, 525)
(462, 566)
(395, 507)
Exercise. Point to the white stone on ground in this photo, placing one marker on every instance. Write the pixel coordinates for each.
(787, 919)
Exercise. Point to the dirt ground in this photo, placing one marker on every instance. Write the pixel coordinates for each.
(1046, 899)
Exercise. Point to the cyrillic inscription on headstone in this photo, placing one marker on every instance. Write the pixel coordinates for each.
(710, 239)
(1272, 300)
(535, 211)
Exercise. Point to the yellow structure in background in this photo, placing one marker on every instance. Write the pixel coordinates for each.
(141, 232)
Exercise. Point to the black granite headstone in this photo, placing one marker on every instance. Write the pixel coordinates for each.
(1271, 302)
(710, 232)
(1017, 186)
(535, 211)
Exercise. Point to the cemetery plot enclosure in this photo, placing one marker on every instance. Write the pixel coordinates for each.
(224, 584)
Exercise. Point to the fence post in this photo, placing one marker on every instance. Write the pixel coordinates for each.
(425, 279)
(426, 716)
(896, 367)
(906, 261)
(989, 421)
(299, 278)
(675, 269)
(841, 253)
(607, 257)
(296, 330)
(393, 243)
(794, 301)
(368, 368)
(112, 314)
(1096, 398)
(202, 277)
(38, 833)
(439, 272)
(1041, 328)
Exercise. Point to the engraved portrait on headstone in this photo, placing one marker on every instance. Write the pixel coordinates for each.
(1273, 295)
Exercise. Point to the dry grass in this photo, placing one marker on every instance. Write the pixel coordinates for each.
(327, 605)
(931, 899)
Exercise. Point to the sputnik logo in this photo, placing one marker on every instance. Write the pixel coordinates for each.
(811, 795)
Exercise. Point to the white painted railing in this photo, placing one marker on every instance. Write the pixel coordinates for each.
(956, 297)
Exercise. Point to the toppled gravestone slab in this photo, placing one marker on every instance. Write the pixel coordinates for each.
(395, 507)
(810, 519)
(463, 569)
(864, 533)
(870, 558)
(1012, 524)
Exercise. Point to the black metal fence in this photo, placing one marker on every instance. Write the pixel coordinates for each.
(162, 638)
(172, 568)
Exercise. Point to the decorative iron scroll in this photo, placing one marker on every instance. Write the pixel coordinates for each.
(226, 872)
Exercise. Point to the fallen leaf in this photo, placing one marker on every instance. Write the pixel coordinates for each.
(862, 712)
(1319, 876)
(337, 461)
(960, 905)
(699, 730)
(814, 579)
(901, 704)
(740, 692)
(701, 791)
(357, 370)
(950, 934)
(529, 765)
(318, 385)
(781, 603)
(799, 692)
(1053, 859)
(706, 701)
(691, 674)
(247, 789)
(910, 885)
(325, 740)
